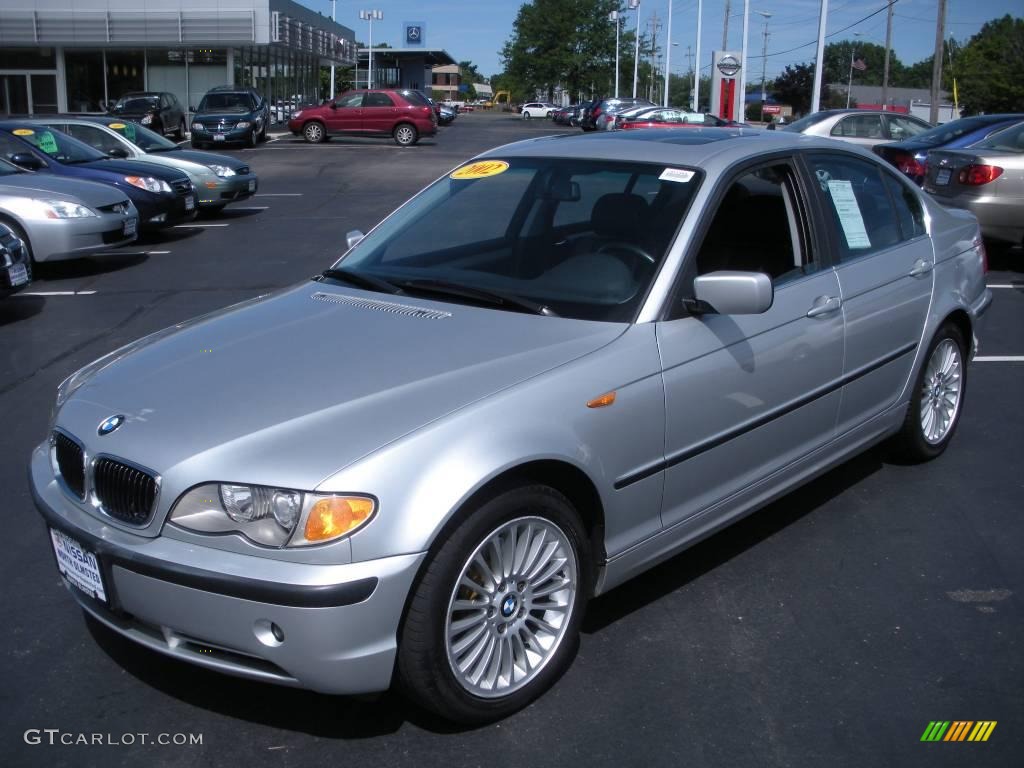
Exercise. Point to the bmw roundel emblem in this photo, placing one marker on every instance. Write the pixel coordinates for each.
(110, 424)
(508, 606)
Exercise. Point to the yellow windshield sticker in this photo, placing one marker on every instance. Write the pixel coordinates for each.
(22, 132)
(480, 170)
(117, 126)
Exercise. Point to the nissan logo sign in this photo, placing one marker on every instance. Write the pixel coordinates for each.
(728, 66)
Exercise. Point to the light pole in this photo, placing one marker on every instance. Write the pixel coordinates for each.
(334, 18)
(849, 85)
(668, 54)
(764, 59)
(741, 90)
(370, 16)
(696, 68)
(614, 16)
(634, 5)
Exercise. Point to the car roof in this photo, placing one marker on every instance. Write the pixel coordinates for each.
(709, 148)
(135, 94)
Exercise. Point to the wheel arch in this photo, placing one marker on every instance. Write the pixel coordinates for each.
(962, 320)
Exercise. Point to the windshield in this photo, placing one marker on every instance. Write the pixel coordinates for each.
(226, 102)
(583, 238)
(58, 146)
(142, 137)
(1010, 140)
(943, 134)
(136, 104)
(805, 122)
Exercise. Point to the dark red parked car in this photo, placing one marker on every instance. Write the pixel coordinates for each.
(403, 114)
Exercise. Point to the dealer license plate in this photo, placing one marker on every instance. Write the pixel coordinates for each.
(190, 203)
(18, 275)
(943, 176)
(218, 137)
(252, 185)
(131, 226)
(78, 565)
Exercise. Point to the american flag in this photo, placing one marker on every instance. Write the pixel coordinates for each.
(859, 64)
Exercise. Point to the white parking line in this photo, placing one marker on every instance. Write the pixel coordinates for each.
(999, 359)
(194, 226)
(128, 253)
(55, 293)
(278, 194)
(249, 207)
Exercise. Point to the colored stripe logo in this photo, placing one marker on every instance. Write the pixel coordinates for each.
(958, 730)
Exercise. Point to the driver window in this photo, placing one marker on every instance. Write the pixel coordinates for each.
(759, 226)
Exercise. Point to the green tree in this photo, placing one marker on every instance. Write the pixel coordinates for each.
(990, 68)
(837, 63)
(568, 43)
(795, 86)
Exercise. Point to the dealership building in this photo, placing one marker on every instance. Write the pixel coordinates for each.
(61, 56)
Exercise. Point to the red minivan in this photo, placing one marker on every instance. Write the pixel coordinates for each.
(403, 114)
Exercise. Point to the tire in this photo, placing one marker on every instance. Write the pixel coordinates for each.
(251, 139)
(314, 132)
(527, 116)
(405, 135)
(505, 647)
(937, 401)
(179, 134)
(263, 131)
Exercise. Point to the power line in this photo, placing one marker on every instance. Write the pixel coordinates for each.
(833, 34)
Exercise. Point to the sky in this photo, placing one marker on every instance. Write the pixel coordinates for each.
(475, 30)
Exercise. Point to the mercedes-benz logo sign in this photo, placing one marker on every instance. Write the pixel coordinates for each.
(110, 424)
(728, 65)
(412, 33)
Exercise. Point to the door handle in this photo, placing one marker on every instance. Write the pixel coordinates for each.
(921, 267)
(824, 305)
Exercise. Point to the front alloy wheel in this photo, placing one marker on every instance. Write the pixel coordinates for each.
(313, 133)
(494, 616)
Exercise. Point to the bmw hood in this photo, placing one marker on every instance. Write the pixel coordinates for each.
(288, 389)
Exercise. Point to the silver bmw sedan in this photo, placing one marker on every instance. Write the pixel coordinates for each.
(556, 366)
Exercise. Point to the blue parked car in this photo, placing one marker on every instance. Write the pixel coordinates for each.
(163, 196)
(910, 155)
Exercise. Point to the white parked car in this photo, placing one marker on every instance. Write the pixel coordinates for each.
(538, 109)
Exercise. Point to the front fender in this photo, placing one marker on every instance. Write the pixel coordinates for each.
(424, 478)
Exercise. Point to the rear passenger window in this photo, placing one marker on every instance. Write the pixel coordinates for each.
(377, 100)
(908, 207)
(859, 127)
(858, 203)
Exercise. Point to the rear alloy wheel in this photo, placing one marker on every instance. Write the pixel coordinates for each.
(314, 133)
(938, 397)
(527, 116)
(494, 618)
(179, 134)
(405, 135)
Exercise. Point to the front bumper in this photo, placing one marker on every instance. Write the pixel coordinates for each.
(60, 239)
(217, 136)
(165, 209)
(213, 608)
(228, 190)
(15, 270)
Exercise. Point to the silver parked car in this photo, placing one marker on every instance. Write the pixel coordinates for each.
(987, 179)
(425, 461)
(866, 127)
(218, 179)
(60, 218)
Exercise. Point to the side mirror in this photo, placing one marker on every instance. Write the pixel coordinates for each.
(352, 238)
(117, 152)
(733, 293)
(27, 160)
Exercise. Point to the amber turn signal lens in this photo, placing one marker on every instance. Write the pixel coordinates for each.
(335, 516)
(604, 400)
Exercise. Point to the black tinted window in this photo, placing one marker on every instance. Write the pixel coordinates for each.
(859, 205)
(377, 100)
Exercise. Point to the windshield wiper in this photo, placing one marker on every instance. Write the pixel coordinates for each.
(494, 298)
(362, 280)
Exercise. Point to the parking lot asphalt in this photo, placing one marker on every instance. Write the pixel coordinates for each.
(828, 629)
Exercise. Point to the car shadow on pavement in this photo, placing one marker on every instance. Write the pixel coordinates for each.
(16, 308)
(88, 267)
(321, 715)
(721, 547)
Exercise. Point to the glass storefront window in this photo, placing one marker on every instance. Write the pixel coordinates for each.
(125, 73)
(44, 94)
(28, 58)
(84, 74)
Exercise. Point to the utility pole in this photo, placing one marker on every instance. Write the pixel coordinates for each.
(634, 5)
(655, 26)
(668, 55)
(725, 28)
(888, 50)
(334, 18)
(940, 37)
(696, 70)
(819, 64)
(764, 63)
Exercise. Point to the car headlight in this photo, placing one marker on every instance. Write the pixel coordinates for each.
(62, 209)
(296, 114)
(148, 183)
(197, 126)
(242, 124)
(146, 119)
(273, 517)
(221, 170)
